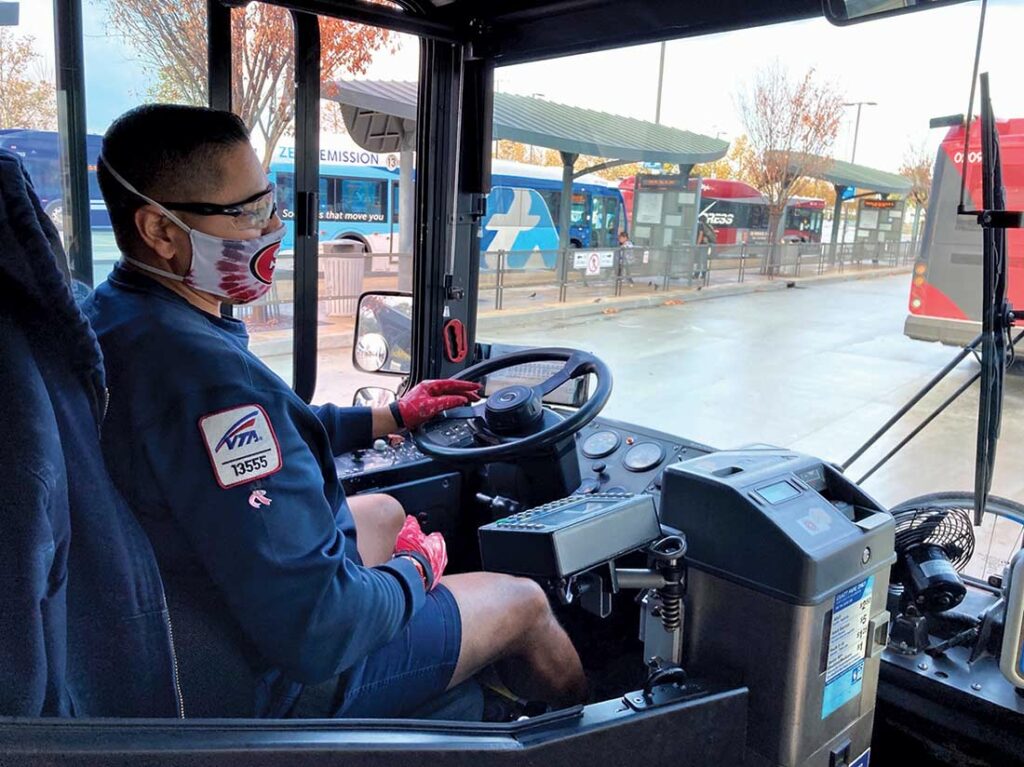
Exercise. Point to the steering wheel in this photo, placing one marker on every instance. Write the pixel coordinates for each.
(513, 421)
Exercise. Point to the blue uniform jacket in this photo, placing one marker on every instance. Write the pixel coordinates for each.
(233, 477)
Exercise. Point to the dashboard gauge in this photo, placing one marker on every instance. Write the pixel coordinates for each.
(643, 456)
(601, 443)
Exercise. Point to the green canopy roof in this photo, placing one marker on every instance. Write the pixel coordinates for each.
(377, 113)
(859, 176)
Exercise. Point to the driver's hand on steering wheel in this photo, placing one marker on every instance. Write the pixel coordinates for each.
(430, 398)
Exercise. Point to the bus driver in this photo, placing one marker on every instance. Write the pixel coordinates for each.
(232, 475)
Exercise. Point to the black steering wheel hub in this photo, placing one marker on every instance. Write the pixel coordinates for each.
(513, 410)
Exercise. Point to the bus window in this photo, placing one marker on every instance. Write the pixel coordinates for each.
(553, 198)
(579, 208)
(276, 47)
(604, 220)
(28, 116)
(122, 49)
(285, 188)
(362, 200)
(361, 216)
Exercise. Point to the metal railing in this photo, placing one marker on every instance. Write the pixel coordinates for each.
(523, 278)
(560, 276)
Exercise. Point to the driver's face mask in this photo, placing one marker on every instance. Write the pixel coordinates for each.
(237, 270)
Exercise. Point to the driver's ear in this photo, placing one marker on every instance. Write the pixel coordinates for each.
(157, 232)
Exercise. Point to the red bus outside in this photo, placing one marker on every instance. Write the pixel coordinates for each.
(739, 213)
(945, 289)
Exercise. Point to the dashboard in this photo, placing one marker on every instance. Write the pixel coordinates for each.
(614, 457)
(617, 457)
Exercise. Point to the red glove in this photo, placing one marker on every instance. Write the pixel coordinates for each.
(431, 547)
(428, 398)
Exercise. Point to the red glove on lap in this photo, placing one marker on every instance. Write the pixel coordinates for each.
(428, 398)
(432, 547)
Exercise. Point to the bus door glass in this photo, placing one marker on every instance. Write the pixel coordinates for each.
(578, 218)
(604, 221)
(366, 234)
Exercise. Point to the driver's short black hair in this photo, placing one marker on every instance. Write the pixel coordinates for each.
(168, 152)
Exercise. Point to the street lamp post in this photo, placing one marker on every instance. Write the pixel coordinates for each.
(853, 154)
(856, 127)
(661, 79)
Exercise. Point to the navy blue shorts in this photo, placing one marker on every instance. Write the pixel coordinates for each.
(394, 681)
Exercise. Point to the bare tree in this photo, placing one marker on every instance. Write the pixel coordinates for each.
(791, 125)
(917, 168)
(27, 96)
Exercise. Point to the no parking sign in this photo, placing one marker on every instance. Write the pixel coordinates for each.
(593, 262)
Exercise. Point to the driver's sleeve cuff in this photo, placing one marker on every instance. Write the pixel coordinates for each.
(348, 428)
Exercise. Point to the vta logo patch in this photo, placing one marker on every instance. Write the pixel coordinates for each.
(240, 433)
(264, 262)
(242, 446)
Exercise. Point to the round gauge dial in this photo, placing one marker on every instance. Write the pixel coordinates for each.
(643, 456)
(601, 443)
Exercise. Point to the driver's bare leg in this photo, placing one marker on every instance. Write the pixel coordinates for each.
(379, 519)
(508, 620)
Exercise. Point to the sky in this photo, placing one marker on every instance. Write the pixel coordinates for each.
(915, 67)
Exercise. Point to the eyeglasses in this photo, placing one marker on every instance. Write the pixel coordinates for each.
(251, 213)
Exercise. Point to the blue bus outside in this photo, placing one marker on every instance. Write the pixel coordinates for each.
(358, 196)
(359, 201)
(39, 151)
(598, 213)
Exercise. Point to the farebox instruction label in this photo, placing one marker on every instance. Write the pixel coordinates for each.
(844, 672)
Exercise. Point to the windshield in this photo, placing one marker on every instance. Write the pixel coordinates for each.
(753, 314)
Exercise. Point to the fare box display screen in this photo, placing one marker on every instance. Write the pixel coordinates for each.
(778, 492)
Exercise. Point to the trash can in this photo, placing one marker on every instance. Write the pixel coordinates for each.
(344, 265)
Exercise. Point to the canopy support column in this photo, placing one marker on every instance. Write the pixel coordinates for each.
(837, 212)
(565, 209)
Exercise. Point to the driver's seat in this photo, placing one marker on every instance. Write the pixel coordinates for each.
(83, 624)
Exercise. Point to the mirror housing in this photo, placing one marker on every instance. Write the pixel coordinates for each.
(383, 333)
(843, 12)
(373, 396)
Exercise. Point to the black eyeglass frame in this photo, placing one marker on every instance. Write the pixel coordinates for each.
(213, 209)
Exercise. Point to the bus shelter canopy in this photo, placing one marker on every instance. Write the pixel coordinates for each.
(380, 116)
(839, 173)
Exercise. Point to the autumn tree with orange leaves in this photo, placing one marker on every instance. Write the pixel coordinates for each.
(27, 97)
(917, 168)
(791, 124)
(170, 38)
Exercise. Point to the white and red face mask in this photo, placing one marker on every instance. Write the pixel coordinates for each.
(236, 270)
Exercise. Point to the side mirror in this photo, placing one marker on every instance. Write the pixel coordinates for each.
(383, 342)
(844, 12)
(373, 396)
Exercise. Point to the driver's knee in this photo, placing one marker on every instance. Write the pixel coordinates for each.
(531, 608)
(379, 519)
(392, 514)
(386, 511)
